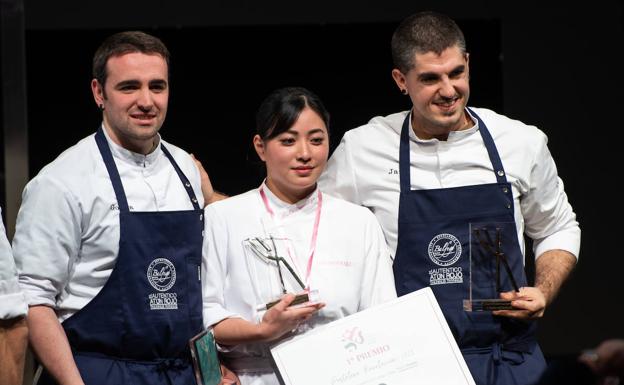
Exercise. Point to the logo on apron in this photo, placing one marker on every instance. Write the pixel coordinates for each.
(161, 274)
(444, 249)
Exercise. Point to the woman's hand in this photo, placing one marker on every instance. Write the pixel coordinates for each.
(281, 319)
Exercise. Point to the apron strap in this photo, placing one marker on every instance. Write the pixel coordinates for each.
(112, 170)
(497, 164)
(404, 156)
(122, 201)
(183, 178)
(504, 352)
(179, 360)
(404, 152)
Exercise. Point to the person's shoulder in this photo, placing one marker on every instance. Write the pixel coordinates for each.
(66, 178)
(378, 126)
(73, 164)
(376, 135)
(341, 208)
(235, 206)
(496, 121)
(514, 130)
(392, 120)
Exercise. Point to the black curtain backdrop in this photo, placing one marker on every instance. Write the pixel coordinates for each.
(220, 75)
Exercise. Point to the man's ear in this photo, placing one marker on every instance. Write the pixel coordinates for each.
(98, 93)
(258, 144)
(400, 80)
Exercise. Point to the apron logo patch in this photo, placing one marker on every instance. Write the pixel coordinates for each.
(161, 274)
(444, 249)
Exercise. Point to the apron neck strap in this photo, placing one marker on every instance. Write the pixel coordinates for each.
(497, 164)
(183, 178)
(113, 173)
(404, 155)
(404, 152)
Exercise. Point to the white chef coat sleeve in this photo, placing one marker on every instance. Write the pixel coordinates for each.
(378, 278)
(549, 218)
(47, 239)
(214, 267)
(338, 178)
(12, 301)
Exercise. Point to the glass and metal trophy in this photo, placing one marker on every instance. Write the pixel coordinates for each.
(271, 275)
(490, 273)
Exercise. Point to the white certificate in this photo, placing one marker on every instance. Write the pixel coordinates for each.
(401, 342)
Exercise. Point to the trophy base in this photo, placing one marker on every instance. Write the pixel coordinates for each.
(300, 299)
(477, 305)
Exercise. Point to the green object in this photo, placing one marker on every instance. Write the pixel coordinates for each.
(205, 359)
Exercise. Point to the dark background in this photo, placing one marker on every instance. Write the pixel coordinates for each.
(557, 67)
(217, 84)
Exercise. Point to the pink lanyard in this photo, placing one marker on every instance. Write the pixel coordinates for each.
(317, 219)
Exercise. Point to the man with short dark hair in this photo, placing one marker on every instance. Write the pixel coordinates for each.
(109, 236)
(442, 177)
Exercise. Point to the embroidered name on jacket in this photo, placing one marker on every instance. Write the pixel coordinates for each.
(161, 274)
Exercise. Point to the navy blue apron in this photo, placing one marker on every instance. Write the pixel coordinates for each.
(433, 245)
(136, 330)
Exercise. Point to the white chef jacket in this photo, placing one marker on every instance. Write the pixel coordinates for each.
(67, 232)
(364, 169)
(351, 266)
(12, 301)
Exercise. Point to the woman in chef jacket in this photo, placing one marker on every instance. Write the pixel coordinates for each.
(286, 242)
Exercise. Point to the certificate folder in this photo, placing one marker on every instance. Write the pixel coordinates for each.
(205, 359)
(402, 342)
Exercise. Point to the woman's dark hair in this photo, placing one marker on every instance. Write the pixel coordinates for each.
(281, 109)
